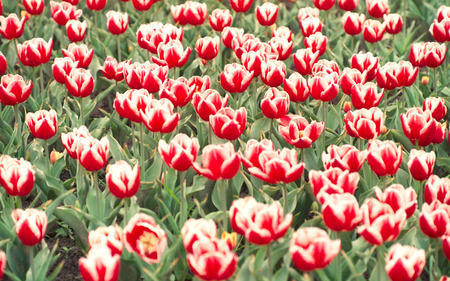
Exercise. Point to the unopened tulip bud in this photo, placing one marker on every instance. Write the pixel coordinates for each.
(230, 238)
(383, 129)
(425, 80)
(347, 106)
(54, 156)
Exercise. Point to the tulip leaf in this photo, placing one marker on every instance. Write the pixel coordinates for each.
(260, 127)
(198, 185)
(70, 217)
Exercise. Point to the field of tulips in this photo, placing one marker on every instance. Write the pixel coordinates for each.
(243, 140)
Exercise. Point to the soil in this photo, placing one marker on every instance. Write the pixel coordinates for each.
(70, 254)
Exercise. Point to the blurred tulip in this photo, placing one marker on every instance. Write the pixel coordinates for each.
(2, 254)
(266, 14)
(364, 123)
(208, 102)
(404, 263)
(16, 176)
(75, 30)
(297, 87)
(283, 32)
(421, 164)
(219, 162)
(35, 52)
(366, 95)
(377, 8)
(33, 7)
(196, 230)
(327, 66)
(100, 264)
(373, 30)
(43, 124)
(366, 62)
(12, 27)
(55, 156)
(230, 238)
(437, 189)
(394, 23)
(235, 78)
(311, 248)
(207, 47)
(69, 140)
(241, 6)
(340, 212)
(180, 153)
(109, 236)
(200, 84)
(324, 4)
(190, 12)
(310, 25)
(306, 12)
(229, 33)
(345, 157)
(393, 75)
(158, 116)
(116, 22)
(324, 86)
(332, 181)
(80, 83)
(14, 90)
(123, 181)
(228, 123)
(212, 260)
(146, 238)
(270, 165)
(177, 91)
(96, 5)
(3, 64)
(351, 77)
(419, 126)
(441, 30)
(380, 223)
(348, 5)
(129, 104)
(304, 59)
(150, 36)
(429, 54)
(92, 153)
(443, 12)
(398, 198)
(445, 248)
(145, 76)
(434, 219)
(298, 132)
(172, 54)
(63, 12)
(30, 225)
(275, 103)
(273, 73)
(113, 70)
(142, 5)
(80, 54)
(384, 157)
(353, 23)
(317, 42)
(219, 19)
(282, 47)
(61, 68)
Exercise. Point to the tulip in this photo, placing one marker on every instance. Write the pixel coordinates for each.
(281, 47)
(219, 162)
(326, 66)
(398, 198)
(437, 189)
(80, 83)
(190, 12)
(366, 95)
(445, 248)
(12, 27)
(270, 165)
(63, 12)
(332, 181)
(348, 5)
(380, 223)
(366, 62)
(273, 73)
(310, 26)
(419, 126)
(14, 90)
(262, 224)
(252, 61)
(131, 103)
(429, 54)
(142, 5)
(61, 68)
(177, 91)
(404, 263)
(346, 157)
(149, 36)
(311, 248)
(266, 14)
(340, 212)
(80, 54)
(96, 5)
(241, 6)
(109, 236)
(219, 19)
(306, 12)
(324, 4)
(114, 70)
(200, 84)
(228, 123)
(394, 23)
(239, 211)
(323, 86)
(73, 2)
(283, 32)
(16, 176)
(298, 132)
(196, 230)
(208, 102)
(35, 52)
(275, 103)
(146, 238)
(172, 54)
(364, 123)
(69, 140)
(393, 75)
(207, 48)
(353, 23)
(373, 30)
(434, 219)
(2, 254)
(212, 260)
(43, 124)
(180, 153)
(158, 116)
(297, 88)
(317, 42)
(92, 153)
(145, 76)
(443, 13)
(235, 78)
(3, 64)
(377, 8)
(441, 30)
(351, 77)
(123, 181)
(100, 264)
(30, 225)
(304, 59)
(229, 33)
(230, 238)
(247, 43)
(421, 164)
(384, 157)
(116, 22)
(34, 7)
(75, 30)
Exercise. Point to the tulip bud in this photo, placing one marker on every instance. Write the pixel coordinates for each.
(347, 106)
(425, 80)
(11, 27)
(54, 156)
(230, 238)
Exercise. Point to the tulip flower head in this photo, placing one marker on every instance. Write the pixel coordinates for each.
(218, 162)
(180, 153)
(30, 225)
(123, 180)
(76, 30)
(404, 263)
(109, 236)
(100, 264)
(17, 176)
(43, 124)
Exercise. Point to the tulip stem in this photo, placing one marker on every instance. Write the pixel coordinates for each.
(97, 193)
(133, 139)
(31, 256)
(338, 260)
(118, 48)
(224, 206)
(125, 208)
(381, 270)
(255, 97)
(46, 152)
(63, 44)
(271, 129)
(285, 199)
(435, 269)
(209, 133)
(183, 215)
(19, 128)
(80, 183)
(435, 81)
(141, 133)
(324, 106)
(15, 45)
(81, 111)
(41, 74)
(269, 262)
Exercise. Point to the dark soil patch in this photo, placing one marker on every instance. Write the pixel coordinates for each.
(69, 253)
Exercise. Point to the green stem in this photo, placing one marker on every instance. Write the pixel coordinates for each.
(142, 152)
(324, 105)
(97, 193)
(255, 97)
(271, 132)
(81, 111)
(338, 261)
(20, 64)
(19, 128)
(46, 152)
(80, 183)
(435, 80)
(224, 206)
(125, 207)
(435, 273)
(41, 73)
(18, 202)
(269, 262)
(133, 139)
(285, 199)
(381, 270)
(209, 133)
(183, 216)
(63, 43)
(31, 256)
(118, 49)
